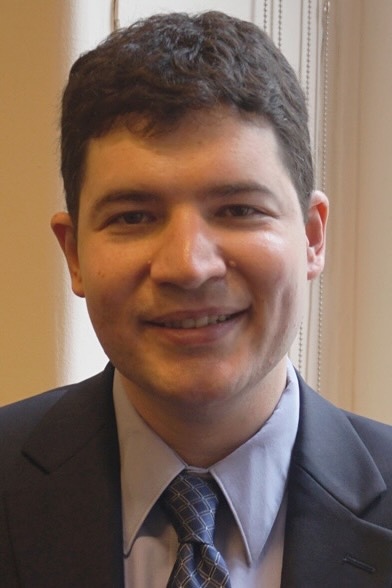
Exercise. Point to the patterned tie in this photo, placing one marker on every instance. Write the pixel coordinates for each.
(191, 504)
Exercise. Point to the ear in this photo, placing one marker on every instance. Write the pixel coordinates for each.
(315, 228)
(65, 232)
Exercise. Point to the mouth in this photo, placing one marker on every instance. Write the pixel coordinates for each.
(198, 322)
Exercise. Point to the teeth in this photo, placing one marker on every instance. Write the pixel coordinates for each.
(202, 321)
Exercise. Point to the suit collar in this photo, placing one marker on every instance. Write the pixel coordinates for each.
(330, 450)
(334, 489)
(71, 500)
(77, 416)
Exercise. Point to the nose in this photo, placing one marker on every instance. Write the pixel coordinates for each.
(187, 253)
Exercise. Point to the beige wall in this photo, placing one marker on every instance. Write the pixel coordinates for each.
(43, 340)
(38, 42)
(33, 65)
(358, 321)
(373, 334)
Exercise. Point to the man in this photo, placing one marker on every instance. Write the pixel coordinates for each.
(192, 226)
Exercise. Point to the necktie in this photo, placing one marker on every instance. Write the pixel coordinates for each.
(191, 504)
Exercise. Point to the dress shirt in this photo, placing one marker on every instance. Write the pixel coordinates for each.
(250, 521)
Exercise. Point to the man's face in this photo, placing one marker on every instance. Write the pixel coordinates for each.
(193, 256)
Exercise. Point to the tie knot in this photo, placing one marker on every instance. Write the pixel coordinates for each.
(191, 503)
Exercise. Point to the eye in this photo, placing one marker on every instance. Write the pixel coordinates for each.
(135, 217)
(240, 210)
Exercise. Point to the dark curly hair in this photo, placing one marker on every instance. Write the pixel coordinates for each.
(160, 68)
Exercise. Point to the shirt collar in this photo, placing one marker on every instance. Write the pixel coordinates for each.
(148, 464)
(253, 477)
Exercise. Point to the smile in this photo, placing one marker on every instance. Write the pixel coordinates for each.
(196, 323)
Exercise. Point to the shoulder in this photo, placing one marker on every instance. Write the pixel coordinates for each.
(312, 403)
(369, 428)
(20, 419)
(338, 433)
(377, 437)
(20, 415)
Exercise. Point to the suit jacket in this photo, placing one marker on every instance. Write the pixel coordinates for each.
(60, 510)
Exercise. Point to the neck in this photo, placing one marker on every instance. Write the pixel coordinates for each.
(204, 433)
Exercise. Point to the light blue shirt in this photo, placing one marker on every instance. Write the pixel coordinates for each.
(253, 478)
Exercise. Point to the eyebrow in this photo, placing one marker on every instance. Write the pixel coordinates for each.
(234, 188)
(129, 195)
(141, 196)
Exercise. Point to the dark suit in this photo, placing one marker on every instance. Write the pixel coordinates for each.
(60, 514)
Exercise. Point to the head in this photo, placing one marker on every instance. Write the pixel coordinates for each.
(193, 225)
(155, 72)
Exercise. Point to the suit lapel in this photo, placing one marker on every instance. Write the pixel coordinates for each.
(333, 483)
(73, 502)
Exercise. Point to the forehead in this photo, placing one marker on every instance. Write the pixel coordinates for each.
(196, 131)
(204, 147)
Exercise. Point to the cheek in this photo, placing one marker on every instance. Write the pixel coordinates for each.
(104, 270)
(274, 262)
(102, 290)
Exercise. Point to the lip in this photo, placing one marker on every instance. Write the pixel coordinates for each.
(195, 328)
(194, 319)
